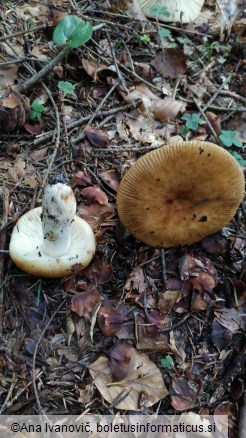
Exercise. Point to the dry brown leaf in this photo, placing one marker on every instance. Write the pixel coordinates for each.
(94, 194)
(109, 177)
(33, 10)
(8, 76)
(161, 109)
(84, 303)
(136, 280)
(171, 63)
(145, 377)
(97, 137)
(96, 214)
(110, 320)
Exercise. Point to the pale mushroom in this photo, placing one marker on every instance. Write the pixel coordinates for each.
(182, 11)
(51, 241)
(180, 193)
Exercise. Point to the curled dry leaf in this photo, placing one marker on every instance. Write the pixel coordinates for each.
(109, 177)
(94, 194)
(110, 320)
(97, 137)
(80, 179)
(84, 303)
(14, 110)
(98, 271)
(184, 393)
(162, 109)
(145, 376)
(122, 360)
(136, 280)
(171, 63)
(93, 69)
(96, 214)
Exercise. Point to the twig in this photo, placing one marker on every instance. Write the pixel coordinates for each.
(163, 266)
(40, 409)
(82, 135)
(201, 110)
(5, 211)
(57, 142)
(120, 76)
(45, 70)
(22, 32)
(242, 421)
(42, 73)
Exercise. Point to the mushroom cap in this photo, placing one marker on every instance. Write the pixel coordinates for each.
(180, 193)
(180, 10)
(27, 251)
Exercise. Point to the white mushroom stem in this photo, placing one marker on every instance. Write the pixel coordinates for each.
(58, 211)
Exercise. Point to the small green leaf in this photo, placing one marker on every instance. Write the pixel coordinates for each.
(164, 33)
(73, 31)
(158, 10)
(229, 138)
(145, 38)
(37, 110)
(66, 87)
(192, 120)
(167, 362)
(184, 131)
(238, 157)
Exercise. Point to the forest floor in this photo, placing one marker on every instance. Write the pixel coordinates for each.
(88, 116)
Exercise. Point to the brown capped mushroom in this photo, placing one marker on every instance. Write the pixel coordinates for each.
(172, 10)
(180, 193)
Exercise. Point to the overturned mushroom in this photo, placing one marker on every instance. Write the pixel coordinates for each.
(180, 193)
(182, 11)
(51, 241)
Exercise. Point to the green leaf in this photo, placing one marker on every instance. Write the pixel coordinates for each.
(192, 120)
(164, 33)
(167, 362)
(157, 11)
(38, 107)
(184, 131)
(145, 38)
(66, 87)
(37, 110)
(229, 138)
(73, 31)
(238, 157)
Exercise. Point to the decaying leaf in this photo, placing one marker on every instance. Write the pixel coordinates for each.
(161, 109)
(110, 320)
(96, 214)
(144, 377)
(98, 271)
(184, 393)
(94, 194)
(84, 303)
(14, 110)
(97, 137)
(122, 361)
(110, 178)
(171, 63)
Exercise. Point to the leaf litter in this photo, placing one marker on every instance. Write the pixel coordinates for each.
(127, 312)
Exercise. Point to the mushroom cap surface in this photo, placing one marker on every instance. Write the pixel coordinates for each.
(27, 251)
(179, 10)
(180, 193)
